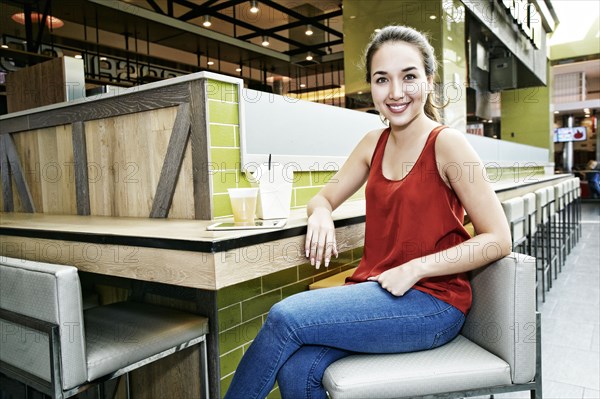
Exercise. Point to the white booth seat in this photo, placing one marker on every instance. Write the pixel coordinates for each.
(51, 344)
(490, 355)
(514, 210)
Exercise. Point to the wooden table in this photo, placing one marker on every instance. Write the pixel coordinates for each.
(177, 259)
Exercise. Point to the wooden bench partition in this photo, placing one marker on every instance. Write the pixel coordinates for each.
(143, 153)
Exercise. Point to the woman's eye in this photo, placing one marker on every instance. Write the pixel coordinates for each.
(380, 80)
(410, 77)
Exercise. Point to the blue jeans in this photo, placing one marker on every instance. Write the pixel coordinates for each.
(305, 333)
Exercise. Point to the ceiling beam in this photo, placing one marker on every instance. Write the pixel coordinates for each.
(291, 25)
(197, 11)
(246, 25)
(314, 48)
(155, 6)
(307, 20)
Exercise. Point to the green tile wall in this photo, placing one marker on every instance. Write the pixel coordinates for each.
(242, 308)
(224, 132)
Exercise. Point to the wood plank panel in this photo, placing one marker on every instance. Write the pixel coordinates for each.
(28, 150)
(6, 200)
(57, 171)
(176, 376)
(82, 189)
(246, 263)
(200, 151)
(111, 107)
(172, 163)
(125, 157)
(44, 83)
(182, 268)
(18, 173)
(47, 161)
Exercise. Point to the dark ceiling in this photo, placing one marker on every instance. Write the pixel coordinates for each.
(235, 36)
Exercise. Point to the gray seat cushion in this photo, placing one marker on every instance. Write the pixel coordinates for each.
(458, 365)
(124, 333)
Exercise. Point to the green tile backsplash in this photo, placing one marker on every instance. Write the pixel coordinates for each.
(221, 91)
(222, 135)
(223, 117)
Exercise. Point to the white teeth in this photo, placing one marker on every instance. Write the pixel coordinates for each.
(396, 107)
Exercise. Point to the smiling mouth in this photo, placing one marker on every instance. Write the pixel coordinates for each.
(397, 108)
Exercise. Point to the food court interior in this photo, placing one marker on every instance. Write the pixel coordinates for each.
(115, 85)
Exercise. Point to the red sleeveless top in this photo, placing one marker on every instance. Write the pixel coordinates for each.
(410, 218)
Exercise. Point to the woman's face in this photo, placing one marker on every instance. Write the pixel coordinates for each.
(399, 85)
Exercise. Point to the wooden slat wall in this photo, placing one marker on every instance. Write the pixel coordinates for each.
(125, 155)
(46, 158)
(39, 85)
(124, 141)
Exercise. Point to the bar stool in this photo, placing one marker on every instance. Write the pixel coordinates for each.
(515, 215)
(531, 230)
(554, 248)
(567, 186)
(52, 345)
(542, 237)
(569, 196)
(577, 208)
(560, 225)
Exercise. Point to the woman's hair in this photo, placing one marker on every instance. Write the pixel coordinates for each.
(419, 40)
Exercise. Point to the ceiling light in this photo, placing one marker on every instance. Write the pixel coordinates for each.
(103, 58)
(254, 6)
(4, 46)
(78, 56)
(265, 41)
(450, 38)
(432, 17)
(51, 22)
(211, 63)
(586, 110)
(557, 112)
(309, 30)
(309, 57)
(206, 22)
(302, 85)
(238, 69)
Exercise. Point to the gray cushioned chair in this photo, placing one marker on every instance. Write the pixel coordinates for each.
(497, 351)
(51, 344)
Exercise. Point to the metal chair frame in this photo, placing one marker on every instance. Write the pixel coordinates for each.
(54, 387)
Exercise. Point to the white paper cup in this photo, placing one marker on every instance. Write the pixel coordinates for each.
(274, 200)
(243, 204)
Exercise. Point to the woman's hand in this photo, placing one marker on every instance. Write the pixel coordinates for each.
(399, 279)
(320, 241)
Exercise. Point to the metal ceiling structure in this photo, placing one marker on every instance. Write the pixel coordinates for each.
(234, 37)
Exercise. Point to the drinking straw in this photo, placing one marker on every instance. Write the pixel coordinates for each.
(269, 162)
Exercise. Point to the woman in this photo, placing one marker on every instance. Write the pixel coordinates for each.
(410, 291)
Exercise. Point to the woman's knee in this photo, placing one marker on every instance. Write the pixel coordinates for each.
(283, 313)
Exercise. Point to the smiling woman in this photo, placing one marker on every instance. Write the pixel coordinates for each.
(411, 281)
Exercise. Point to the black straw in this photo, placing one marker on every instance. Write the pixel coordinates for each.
(269, 161)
